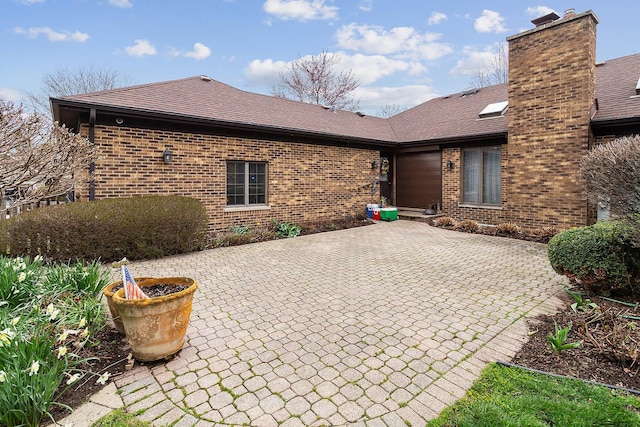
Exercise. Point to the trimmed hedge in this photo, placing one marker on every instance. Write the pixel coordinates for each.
(108, 229)
(601, 256)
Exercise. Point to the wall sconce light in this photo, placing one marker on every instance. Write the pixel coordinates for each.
(449, 165)
(167, 155)
(374, 164)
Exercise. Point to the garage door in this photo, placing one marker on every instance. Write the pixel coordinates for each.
(418, 179)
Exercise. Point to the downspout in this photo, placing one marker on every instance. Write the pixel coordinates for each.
(92, 165)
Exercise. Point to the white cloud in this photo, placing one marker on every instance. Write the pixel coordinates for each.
(538, 11)
(54, 36)
(264, 72)
(199, 52)
(490, 22)
(474, 61)
(371, 68)
(373, 98)
(142, 47)
(10, 95)
(365, 5)
(121, 3)
(30, 2)
(436, 18)
(402, 41)
(301, 10)
(366, 69)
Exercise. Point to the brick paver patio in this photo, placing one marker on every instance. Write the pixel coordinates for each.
(382, 325)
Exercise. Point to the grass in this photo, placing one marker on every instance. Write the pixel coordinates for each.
(119, 418)
(504, 396)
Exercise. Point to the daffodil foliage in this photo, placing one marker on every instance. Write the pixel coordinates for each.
(48, 315)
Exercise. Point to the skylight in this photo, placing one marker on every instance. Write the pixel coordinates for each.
(638, 88)
(469, 91)
(496, 109)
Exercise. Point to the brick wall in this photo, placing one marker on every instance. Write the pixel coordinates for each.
(551, 90)
(305, 182)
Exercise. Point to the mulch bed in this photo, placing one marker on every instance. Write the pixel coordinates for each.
(339, 224)
(609, 352)
(110, 355)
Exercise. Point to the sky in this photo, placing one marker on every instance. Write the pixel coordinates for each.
(403, 52)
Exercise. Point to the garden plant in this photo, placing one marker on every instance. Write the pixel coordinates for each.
(49, 315)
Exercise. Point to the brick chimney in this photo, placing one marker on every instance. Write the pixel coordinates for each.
(551, 90)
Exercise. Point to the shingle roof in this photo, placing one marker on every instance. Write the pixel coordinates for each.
(445, 118)
(451, 117)
(616, 82)
(207, 99)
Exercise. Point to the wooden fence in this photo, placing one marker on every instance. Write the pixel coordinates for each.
(7, 211)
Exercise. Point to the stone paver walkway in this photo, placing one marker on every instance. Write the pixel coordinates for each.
(382, 325)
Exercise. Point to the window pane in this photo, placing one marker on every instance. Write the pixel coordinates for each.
(257, 183)
(491, 176)
(471, 176)
(235, 183)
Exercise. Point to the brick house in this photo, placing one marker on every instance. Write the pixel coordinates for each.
(508, 152)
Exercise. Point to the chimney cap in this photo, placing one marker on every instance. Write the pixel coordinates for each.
(550, 17)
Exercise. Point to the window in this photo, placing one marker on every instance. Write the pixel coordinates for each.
(496, 109)
(246, 183)
(481, 175)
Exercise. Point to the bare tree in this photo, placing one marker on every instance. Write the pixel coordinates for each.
(65, 82)
(612, 174)
(314, 79)
(38, 158)
(496, 71)
(390, 110)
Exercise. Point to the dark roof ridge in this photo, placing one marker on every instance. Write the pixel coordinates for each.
(125, 88)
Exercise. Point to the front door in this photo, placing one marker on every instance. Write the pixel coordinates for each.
(386, 176)
(418, 180)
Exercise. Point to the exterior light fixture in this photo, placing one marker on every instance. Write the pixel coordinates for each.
(167, 155)
(449, 165)
(374, 164)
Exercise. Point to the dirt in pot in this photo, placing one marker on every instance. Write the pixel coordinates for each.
(157, 290)
(162, 289)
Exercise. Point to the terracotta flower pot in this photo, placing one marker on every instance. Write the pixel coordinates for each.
(108, 294)
(156, 327)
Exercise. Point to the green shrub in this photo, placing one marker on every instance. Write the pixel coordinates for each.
(285, 229)
(108, 229)
(599, 256)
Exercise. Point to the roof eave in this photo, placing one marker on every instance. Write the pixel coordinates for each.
(624, 121)
(453, 140)
(181, 118)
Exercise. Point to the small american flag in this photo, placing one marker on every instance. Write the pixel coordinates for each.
(131, 288)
